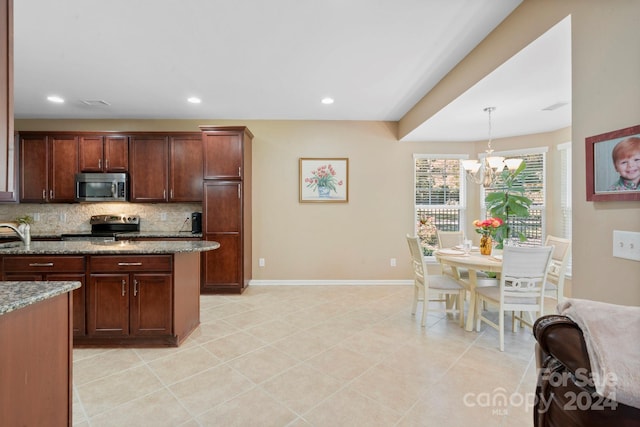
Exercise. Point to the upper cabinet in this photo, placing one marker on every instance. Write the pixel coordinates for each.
(104, 153)
(226, 156)
(48, 165)
(7, 152)
(185, 168)
(149, 177)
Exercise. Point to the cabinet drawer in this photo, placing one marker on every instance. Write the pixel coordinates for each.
(130, 263)
(33, 264)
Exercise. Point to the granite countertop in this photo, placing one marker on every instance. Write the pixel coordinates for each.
(16, 295)
(107, 247)
(155, 234)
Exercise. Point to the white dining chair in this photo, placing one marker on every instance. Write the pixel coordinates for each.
(520, 289)
(554, 287)
(424, 283)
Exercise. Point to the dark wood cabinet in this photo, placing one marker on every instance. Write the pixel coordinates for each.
(99, 153)
(66, 268)
(226, 214)
(185, 168)
(148, 162)
(48, 164)
(7, 159)
(130, 296)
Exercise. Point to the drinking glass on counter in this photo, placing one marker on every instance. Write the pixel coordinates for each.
(466, 246)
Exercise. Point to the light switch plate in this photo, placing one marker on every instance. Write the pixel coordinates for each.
(626, 244)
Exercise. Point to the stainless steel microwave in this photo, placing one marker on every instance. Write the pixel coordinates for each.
(101, 187)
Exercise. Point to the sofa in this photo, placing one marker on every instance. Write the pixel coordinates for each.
(565, 391)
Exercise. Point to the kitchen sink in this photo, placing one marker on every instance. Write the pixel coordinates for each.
(9, 245)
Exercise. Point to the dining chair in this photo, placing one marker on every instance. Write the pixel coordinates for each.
(425, 282)
(554, 287)
(520, 289)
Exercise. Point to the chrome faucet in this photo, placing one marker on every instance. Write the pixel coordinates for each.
(23, 231)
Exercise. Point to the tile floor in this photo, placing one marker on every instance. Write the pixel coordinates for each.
(312, 356)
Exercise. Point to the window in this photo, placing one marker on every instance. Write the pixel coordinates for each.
(439, 196)
(533, 226)
(565, 193)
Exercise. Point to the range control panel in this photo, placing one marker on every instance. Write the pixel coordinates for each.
(114, 219)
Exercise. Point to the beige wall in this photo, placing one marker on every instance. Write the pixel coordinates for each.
(606, 96)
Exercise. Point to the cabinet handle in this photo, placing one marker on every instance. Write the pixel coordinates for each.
(239, 170)
(41, 264)
(124, 282)
(171, 193)
(124, 264)
(239, 193)
(135, 288)
(99, 163)
(164, 193)
(44, 194)
(50, 194)
(106, 163)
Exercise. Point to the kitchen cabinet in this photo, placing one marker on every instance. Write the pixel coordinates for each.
(148, 160)
(166, 168)
(36, 363)
(130, 296)
(7, 153)
(48, 164)
(99, 153)
(38, 268)
(226, 214)
(185, 168)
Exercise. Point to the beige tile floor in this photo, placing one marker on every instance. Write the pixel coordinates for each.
(312, 356)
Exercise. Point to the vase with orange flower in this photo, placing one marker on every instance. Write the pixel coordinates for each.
(487, 228)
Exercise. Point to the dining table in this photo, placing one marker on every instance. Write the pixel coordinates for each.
(474, 262)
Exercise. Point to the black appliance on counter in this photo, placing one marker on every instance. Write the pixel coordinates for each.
(106, 227)
(196, 222)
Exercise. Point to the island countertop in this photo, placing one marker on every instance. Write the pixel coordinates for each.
(16, 295)
(105, 248)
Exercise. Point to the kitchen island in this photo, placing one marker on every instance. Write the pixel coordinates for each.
(36, 354)
(133, 293)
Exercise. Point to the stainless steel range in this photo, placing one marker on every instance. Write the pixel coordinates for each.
(106, 227)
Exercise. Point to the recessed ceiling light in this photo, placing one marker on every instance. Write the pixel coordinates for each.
(55, 99)
(327, 100)
(194, 100)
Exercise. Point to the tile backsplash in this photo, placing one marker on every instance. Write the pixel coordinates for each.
(58, 218)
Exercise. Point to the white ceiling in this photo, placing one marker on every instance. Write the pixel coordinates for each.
(276, 59)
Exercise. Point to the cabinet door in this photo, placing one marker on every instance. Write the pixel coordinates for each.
(91, 153)
(148, 168)
(116, 154)
(223, 155)
(185, 169)
(151, 304)
(108, 305)
(222, 267)
(34, 169)
(63, 168)
(79, 322)
(222, 206)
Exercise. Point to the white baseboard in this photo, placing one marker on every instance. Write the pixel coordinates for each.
(329, 282)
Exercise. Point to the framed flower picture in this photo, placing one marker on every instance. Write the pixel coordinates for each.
(323, 180)
(613, 165)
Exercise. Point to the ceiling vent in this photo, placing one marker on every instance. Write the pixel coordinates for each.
(555, 106)
(94, 102)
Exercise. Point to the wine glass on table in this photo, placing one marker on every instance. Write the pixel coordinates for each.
(466, 246)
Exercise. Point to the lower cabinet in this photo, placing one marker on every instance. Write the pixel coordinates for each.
(129, 304)
(34, 268)
(130, 296)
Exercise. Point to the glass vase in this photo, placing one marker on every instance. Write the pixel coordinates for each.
(485, 245)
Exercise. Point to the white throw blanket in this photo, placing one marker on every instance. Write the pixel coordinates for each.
(612, 335)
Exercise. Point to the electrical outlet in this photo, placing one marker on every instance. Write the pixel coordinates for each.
(626, 244)
(163, 216)
(63, 217)
(261, 262)
(36, 216)
(392, 262)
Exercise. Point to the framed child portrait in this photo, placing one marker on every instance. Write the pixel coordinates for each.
(613, 165)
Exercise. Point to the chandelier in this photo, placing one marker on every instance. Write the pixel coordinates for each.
(487, 170)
